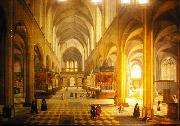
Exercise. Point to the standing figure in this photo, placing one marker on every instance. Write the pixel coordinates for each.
(98, 110)
(115, 97)
(136, 113)
(43, 105)
(120, 108)
(62, 96)
(158, 107)
(75, 95)
(34, 106)
(93, 111)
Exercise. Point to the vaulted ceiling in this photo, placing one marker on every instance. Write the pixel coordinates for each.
(71, 19)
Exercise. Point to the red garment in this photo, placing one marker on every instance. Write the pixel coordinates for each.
(98, 110)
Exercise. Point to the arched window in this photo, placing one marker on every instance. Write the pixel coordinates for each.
(71, 65)
(136, 71)
(168, 69)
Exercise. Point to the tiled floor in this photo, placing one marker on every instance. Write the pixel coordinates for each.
(76, 111)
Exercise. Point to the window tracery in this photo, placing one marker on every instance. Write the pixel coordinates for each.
(168, 69)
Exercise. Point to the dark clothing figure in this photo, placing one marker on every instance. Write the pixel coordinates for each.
(62, 96)
(75, 95)
(71, 94)
(136, 111)
(115, 96)
(120, 108)
(158, 107)
(43, 105)
(98, 110)
(93, 111)
(34, 106)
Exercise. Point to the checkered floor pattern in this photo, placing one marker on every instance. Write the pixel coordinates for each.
(67, 114)
(77, 112)
(72, 111)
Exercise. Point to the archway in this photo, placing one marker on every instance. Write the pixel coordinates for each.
(19, 60)
(72, 60)
(39, 73)
(166, 62)
(135, 86)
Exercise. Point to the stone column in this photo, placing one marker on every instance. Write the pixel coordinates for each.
(120, 88)
(178, 75)
(30, 73)
(148, 64)
(24, 73)
(9, 98)
(8, 109)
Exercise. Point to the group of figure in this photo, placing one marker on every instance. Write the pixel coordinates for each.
(34, 107)
(95, 111)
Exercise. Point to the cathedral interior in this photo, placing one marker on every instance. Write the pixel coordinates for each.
(73, 55)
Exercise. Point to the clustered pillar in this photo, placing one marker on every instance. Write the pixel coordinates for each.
(120, 78)
(30, 74)
(8, 109)
(148, 59)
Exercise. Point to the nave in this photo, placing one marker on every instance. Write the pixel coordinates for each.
(89, 52)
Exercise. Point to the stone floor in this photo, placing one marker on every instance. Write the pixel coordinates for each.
(75, 111)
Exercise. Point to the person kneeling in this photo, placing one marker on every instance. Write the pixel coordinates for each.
(136, 112)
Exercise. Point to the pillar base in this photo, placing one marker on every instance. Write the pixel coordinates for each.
(147, 112)
(8, 111)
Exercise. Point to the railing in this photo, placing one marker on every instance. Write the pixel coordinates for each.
(166, 88)
(166, 84)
